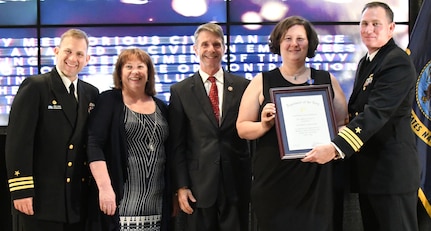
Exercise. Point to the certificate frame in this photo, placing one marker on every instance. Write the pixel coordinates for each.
(304, 118)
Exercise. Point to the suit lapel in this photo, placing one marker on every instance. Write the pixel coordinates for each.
(198, 89)
(61, 94)
(228, 95)
(84, 103)
(360, 77)
(372, 68)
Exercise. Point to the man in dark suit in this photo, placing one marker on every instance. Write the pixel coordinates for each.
(378, 140)
(46, 139)
(212, 170)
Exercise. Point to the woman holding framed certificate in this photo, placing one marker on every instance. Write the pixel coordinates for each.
(288, 194)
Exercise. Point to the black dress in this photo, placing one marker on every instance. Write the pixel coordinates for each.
(289, 194)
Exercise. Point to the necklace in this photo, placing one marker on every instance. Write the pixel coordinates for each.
(295, 76)
(151, 143)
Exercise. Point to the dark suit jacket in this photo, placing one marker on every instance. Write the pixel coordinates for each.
(379, 137)
(205, 153)
(45, 147)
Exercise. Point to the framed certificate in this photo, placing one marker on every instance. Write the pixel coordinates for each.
(305, 118)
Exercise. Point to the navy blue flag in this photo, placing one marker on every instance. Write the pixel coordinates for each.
(420, 52)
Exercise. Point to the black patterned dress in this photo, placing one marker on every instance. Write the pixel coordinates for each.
(289, 195)
(141, 206)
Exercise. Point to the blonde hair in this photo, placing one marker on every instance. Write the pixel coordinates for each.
(75, 33)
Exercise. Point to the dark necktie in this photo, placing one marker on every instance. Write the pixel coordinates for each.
(213, 95)
(367, 61)
(364, 66)
(72, 94)
(72, 91)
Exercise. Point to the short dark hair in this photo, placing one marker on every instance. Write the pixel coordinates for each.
(281, 28)
(125, 55)
(389, 12)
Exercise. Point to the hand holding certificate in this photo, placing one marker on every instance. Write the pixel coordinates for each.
(304, 119)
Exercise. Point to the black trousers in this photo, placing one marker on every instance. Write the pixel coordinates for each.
(22, 222)
(222, 216)
(394, 212)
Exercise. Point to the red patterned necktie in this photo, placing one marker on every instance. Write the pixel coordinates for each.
(214, 97)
